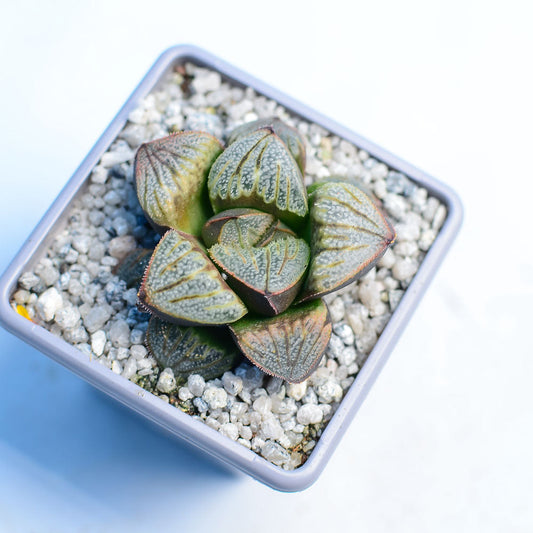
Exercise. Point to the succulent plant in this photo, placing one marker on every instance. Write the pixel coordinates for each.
(247, 252)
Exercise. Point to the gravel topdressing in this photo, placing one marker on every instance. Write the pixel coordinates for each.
(73, 293)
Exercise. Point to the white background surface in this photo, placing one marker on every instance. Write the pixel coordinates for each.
(444, 441)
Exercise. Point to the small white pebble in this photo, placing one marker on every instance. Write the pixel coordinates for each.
(119, 333)
(237, 410)
(138, 351)
(329, 391)
(310, 396)
(137, 336)
(271, 428)
(309, 414)
(426, 239)
(22, 296)
(439, 218)
(75, 288)
(347, 356)
(244, 442)
(110, 159)
(99, 174)
(344, 331)
(245, 432)
(263, 405)
(96, 251)
(406, 248)
(81, 243)
(200, 404)
(370, 296)
(122, 353)
(387, 260)
(28, 280)
(215, 397)
(297, 390)
(309, 446)
(96, 317)
(67, 317)
(185, 394)
(166, 382)
(130, 368)
(230, 430)
(336, 310)
(196, 384)
(98, 340)
(120, 247)
(49, 275)
(232, 383)
(212, 422)
(48, 303)
(394, 298)
(116, 367)
(404, 269)
(274, 453)
(144, 364)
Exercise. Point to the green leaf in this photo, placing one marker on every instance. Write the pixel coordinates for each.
(349, 234)
(182, 285)
(289, 345)
(258, 171)
(290, 136)
(131, 268)
(244, 227)
(171, 174)
(208, 351)
(267, 278)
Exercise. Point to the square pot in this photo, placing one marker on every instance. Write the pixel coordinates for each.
(167, 416)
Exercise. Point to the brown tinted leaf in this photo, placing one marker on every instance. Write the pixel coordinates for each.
(289, 345)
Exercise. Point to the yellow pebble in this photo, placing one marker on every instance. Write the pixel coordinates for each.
(21, 310)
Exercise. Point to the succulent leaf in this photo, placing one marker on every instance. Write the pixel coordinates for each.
(208, 351)
(170, 175)
(131, 268)
(289, 345)
(182, 285)
(267, 278)
(244, 227)
(258, 171)
(349, 234)
(290, 136)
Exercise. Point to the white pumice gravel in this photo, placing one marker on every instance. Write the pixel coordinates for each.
(166, 382)
(73, 292)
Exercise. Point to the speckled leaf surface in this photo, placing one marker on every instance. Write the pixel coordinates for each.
(131, 268)
(171, 174)
(244, 227)
(290, 136)
(182, 285)
(349, 234)
(258, 171)
(289, 345)
(207, 351)
(266, 278)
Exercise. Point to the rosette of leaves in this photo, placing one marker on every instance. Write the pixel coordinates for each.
(247, 251)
